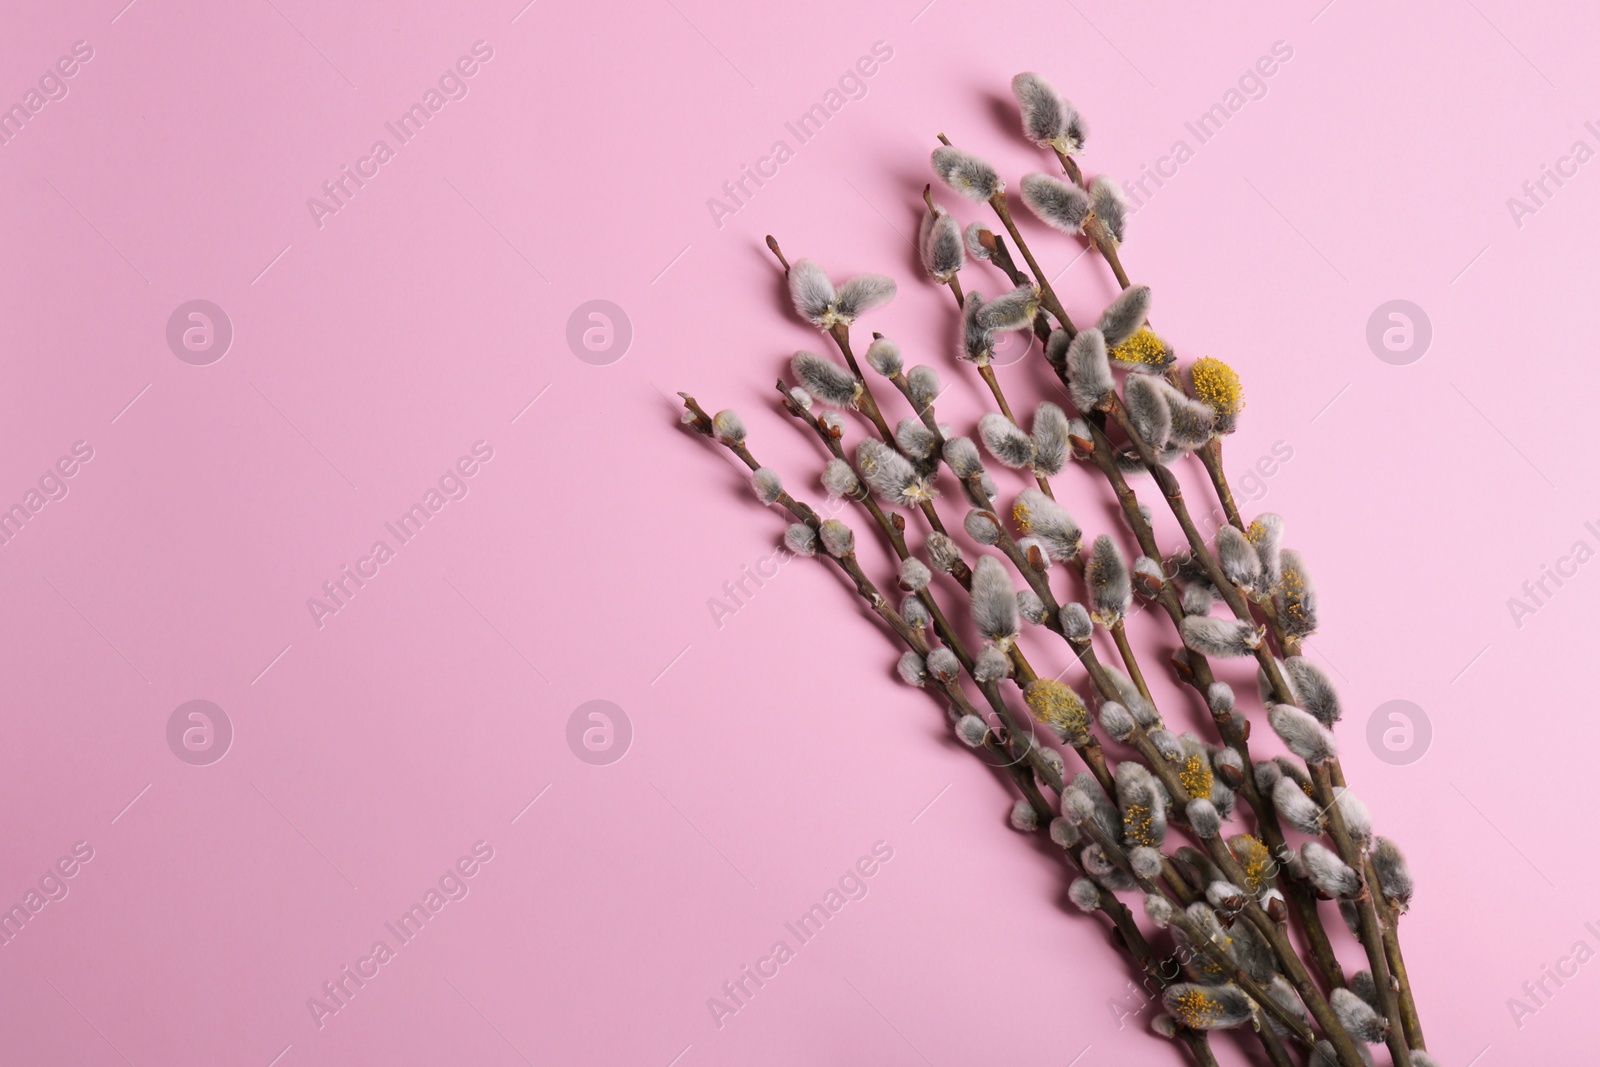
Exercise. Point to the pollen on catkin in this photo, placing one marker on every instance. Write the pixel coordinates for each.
(1217, 386)
(965, 173)
(1036, 515)
(1207, 1007)
(1255, 860)
(1296, 597)
(1057, 203)
(1058, 707)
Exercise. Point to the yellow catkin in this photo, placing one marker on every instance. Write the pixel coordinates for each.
(1216, 385)
(1254, 859)
(1143, 347)
(1137, 827)
(1294, 588)
(1055, 703)
(1195, 1008)
(1196, 775)
(1021, 517)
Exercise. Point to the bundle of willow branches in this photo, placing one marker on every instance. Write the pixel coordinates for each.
(1147, 821)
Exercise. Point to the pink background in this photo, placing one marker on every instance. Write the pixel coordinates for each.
(771, 752)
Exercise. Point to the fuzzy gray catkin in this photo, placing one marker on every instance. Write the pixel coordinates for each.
(992, 665)
(1057, 203)
(922, 382)
(1106, 575)
(977, 341)
(1394, 875)
(1328, 872)
(837, 538)
(1023, 817)
(961, 456)
(1005, 440)
(993, 602)
(915, 612)
(1357, 1017)
(972, 237)
(913, 671)
(1075, 621)
(1036, 515)
(1125, 314)
(890, 474)
(1223, 638)
(1238, 559)
(800, 539)
(1030, 607)
(943, 552)
(1302, 734)
(811, 291)
(1314, 689)
(943, 252)
(943, 665)
(1047, 119)
(972, 731)
(1110, 205)
(1193, 423)
(1207, 1007)
(1151, 418)
(861, 294)
(840, 480)
(1010, 311)
(727, 427)
(883, 356)
(965, 173)
(914, 574)
(1052, 438)
(1088, 369)
(914, 439)
(1295, 808)
(830, 382)
(767, 484)
(982, 527)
